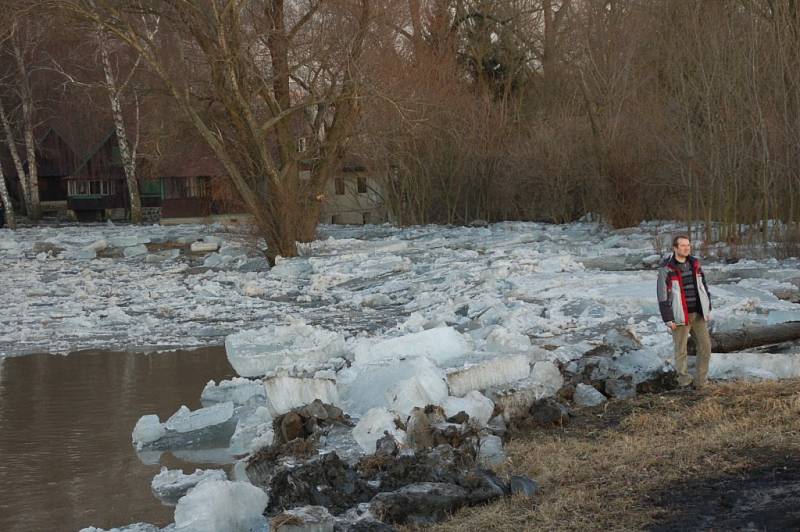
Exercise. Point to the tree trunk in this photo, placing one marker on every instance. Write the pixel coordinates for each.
(128, 158)
(35, 210)
(748, 338)
(5, 199)
(12, 148)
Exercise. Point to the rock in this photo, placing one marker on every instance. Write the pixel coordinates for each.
(566, 393)
(621, 388)
(204, 247)
(324, 481)
(303, 519)
(493, 372)
(420, 503)
(586, 395)
(523, 486)
(419, 434)
(547, 412)
(490, 450)
(307, 421)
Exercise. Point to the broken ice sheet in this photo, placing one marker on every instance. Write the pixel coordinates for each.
(258, 352)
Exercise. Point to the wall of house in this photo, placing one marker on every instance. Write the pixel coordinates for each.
(349, 202)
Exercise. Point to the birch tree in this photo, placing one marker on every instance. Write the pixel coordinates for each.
(5, 200)
(19, 45)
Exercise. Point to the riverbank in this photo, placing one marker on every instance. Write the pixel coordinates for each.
(724, 458)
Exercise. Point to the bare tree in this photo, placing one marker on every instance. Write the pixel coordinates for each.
(252, 77)
(5, 200)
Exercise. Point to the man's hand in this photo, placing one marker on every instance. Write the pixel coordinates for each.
(709, 318)
(671, 325)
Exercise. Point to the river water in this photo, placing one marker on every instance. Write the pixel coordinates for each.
(66, 459)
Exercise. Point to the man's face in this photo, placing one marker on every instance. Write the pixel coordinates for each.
(683, 248)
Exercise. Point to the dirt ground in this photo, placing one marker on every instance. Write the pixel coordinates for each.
(725, 458)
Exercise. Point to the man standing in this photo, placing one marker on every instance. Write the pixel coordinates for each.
(685, 306)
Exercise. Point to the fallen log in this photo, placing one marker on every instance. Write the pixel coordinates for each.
(750, 337)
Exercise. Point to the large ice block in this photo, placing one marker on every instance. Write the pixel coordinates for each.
(443, 345)
(257, 352)
(285, 393)
(489, 373)
(218, 505)
(171, 484)
(475, 404)
(237, 390)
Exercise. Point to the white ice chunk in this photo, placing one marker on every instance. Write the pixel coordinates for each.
(257, 352)
(135, 251)
(365, 387)
(371, 427)
(237, 390)
(641, 365)
(204, 247)
(218, 505)
(489, 373)
(475, 404)
(586, 395)
(782, 316)
(185, 420)
(135, 527)
(428, 386)
(547, 379)
(285, 393)
(253, 431)
(443, 345)
(502, 340)
(172, 484)
(147, 430)
(754, 365)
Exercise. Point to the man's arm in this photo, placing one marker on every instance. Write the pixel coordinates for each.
(664, 294)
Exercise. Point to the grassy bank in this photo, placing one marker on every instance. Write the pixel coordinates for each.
(720, 458)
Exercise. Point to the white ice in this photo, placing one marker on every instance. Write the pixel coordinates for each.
(475, 404)
(371, 427)
(169, 485)
(489, 373)
(238, 390)
(286, 393)
(218, 505)
(261, 351)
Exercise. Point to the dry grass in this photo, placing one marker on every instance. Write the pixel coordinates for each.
(602, 471)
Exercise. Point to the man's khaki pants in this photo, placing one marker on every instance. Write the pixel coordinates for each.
(697, 325)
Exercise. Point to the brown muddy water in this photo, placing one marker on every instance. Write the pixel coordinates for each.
(66, 459)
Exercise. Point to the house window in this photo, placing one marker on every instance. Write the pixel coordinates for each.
(185, 187)
(362, 185)
(335, 219)
(302, 144)
(90, 188)
(339, 181)
(365, 218)
(305, 175)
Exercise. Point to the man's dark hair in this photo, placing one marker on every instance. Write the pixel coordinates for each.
(679, 237)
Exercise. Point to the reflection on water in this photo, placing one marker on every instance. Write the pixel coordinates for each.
(66, 459)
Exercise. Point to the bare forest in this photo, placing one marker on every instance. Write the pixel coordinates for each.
(473, 109)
